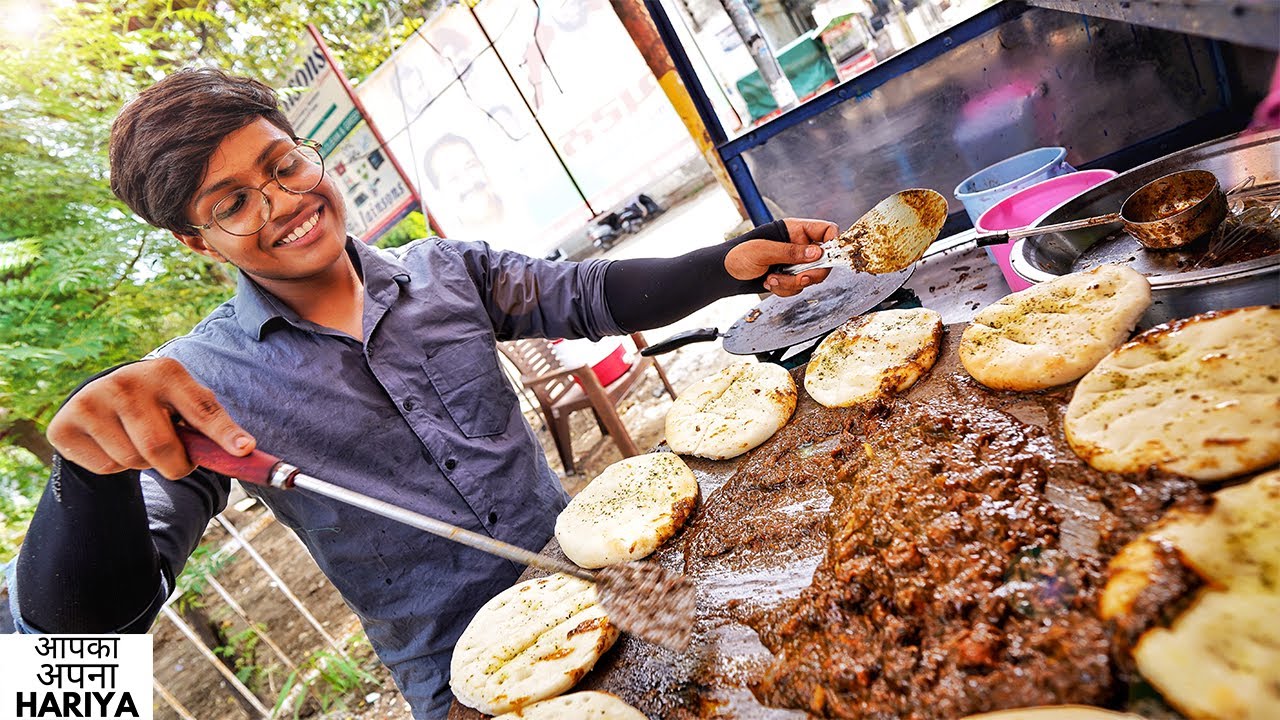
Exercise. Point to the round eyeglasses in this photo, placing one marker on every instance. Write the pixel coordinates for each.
(246, 211)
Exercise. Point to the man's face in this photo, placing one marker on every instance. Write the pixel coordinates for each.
(245, 159)
(463, 176)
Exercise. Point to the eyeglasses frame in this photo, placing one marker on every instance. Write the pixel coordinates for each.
(299, 142)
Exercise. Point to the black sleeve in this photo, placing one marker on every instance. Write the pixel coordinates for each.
(646, 293)
(95, 560)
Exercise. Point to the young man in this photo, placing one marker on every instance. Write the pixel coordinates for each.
(376, 370)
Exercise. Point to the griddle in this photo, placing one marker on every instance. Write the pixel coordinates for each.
(778, 323)
(778, 564)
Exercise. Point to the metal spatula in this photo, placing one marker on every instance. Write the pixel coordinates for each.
(892, 236)
(641, 599)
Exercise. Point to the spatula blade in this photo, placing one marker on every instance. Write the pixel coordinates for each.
(645, 600)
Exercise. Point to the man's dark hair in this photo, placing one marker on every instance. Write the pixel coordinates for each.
(162, 140)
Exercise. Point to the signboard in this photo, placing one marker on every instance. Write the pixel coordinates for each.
(518, 141)
(321, 107)
(377, 197)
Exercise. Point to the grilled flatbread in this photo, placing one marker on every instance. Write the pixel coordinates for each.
(1056, 712)
(586, 705)
(533, 641)
(1199, 397)
(873, 355)
(1054, 332)
(1220, 658)
(628, 510)
(731, 412)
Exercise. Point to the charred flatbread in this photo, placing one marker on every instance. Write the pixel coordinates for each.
(628, 510)
(732, 411)
(873, 356)
(586, 705)
(1218, 657)
(1055, 332)
(531, 642)
(1199, 397)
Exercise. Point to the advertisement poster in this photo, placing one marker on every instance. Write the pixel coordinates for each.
(377, 197)
(320, 107)
(517, 143)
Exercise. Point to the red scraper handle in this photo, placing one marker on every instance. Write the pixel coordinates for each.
(256, 467)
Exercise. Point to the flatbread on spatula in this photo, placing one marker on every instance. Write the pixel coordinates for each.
(585, 705)
(531, 642)
(1055, 332)
(874, 355)
(732, 411)
(1199, 397)
(628, 510)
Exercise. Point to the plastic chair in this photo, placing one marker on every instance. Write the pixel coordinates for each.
(559, 396)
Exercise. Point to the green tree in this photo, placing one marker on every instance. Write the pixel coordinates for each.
(85, 284)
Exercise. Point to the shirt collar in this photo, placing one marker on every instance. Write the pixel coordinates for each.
(256, 308)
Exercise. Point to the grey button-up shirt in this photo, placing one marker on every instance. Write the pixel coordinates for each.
(418, 413)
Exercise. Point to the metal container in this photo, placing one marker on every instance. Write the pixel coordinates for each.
(1178, 286)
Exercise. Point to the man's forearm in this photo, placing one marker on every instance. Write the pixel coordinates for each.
(647, 293)
(88, 563)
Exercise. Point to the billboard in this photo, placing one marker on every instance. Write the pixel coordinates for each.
(320, 106)
(519, 121)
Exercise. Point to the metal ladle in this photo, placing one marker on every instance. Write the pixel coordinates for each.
(1166, 213)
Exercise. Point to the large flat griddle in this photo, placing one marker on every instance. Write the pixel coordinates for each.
(769, 540)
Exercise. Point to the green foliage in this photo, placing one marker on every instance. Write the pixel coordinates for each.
(412, 227)
(21, 480)
(242, 648)
(192, 583)
(333, 682)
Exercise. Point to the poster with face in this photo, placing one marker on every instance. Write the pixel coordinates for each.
(501, 133)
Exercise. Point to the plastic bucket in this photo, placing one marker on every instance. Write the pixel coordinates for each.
(990, 185)
(1027, 206)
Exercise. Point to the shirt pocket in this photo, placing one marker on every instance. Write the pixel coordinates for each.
(472, 387)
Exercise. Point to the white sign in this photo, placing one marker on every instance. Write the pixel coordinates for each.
(317, 104)
(376, 195)
(320, 108)
(476, 153)
(80, 676)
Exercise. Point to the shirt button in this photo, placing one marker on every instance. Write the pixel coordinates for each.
(408, 405)
(493, 518)
(450, 464)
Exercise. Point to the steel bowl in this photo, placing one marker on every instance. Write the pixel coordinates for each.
(1179, 286)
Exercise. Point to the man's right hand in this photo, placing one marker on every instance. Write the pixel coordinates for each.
(125, 420)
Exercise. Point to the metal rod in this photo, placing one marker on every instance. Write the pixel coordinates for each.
(172, 701)
(439, 528)
(239, 611)
(230, 677)
(770, 71)
(280, 584)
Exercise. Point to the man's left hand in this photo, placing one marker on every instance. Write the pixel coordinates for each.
(754, 258)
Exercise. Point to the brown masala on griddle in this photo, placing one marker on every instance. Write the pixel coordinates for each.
(951, 584)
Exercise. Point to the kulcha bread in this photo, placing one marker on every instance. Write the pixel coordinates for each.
(873, 355)
(533, 641)
(1219, 657)
(732, 411)
(628, 510)
(1056, 712)
(1055, 332)
(1199, 397)
(586, 705)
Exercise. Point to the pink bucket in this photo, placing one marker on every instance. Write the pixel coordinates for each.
(1026, 206)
